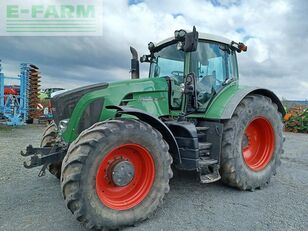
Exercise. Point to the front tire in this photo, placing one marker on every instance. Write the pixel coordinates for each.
(116, 174)
(48, 140)
(252, 144)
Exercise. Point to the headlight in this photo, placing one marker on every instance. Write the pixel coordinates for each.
(63, 125)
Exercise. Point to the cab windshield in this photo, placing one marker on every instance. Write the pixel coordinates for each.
(212, 63)
(168, 62)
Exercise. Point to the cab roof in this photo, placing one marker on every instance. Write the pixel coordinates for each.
(202, 36)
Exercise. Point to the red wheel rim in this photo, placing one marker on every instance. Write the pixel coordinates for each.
(258, 144)
(128, 196)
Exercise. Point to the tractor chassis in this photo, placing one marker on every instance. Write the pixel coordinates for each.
(44, 156)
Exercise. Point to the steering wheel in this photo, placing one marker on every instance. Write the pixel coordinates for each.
(178, 76)
(177, 73)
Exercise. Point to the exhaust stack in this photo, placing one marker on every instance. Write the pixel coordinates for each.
(134, 64)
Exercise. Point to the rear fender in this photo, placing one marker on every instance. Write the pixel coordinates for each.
(224, 106)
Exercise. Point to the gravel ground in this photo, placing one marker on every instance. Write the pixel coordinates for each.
(31, 203)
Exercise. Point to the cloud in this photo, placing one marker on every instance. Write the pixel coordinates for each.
(276, 33)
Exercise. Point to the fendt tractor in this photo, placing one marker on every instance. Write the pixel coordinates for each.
(115, 145)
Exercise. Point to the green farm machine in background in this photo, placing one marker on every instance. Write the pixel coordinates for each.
(113, 144)
(45, 96)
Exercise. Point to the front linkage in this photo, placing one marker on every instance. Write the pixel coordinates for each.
(44, 156)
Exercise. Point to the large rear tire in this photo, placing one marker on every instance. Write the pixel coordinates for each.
(48, 140)
(116, 174)
(252, 144)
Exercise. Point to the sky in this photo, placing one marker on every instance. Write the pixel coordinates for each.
(276, 33)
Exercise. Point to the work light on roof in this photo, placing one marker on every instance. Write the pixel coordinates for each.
(180, 34)
(151, 46)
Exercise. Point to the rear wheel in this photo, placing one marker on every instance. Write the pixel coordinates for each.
(48, 140)
(116, 174)
(252, 143)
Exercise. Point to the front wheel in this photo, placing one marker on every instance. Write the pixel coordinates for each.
(48, 140)
(252, 144)
(116, 174)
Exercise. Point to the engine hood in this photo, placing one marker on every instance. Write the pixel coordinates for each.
(63, 104)
(88, 105)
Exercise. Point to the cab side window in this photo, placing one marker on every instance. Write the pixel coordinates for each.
(213, 64)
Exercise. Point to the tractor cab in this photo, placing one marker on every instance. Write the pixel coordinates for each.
(196, 72)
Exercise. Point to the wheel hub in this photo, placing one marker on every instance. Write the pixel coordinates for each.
(125, 176)
(123, 173)
(258, 143)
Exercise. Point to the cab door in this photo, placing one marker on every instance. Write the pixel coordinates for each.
(170, 63)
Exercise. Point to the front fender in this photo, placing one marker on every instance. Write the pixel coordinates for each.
(155, 123)
(225, 103)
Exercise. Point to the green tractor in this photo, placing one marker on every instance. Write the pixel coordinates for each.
(113, 144)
